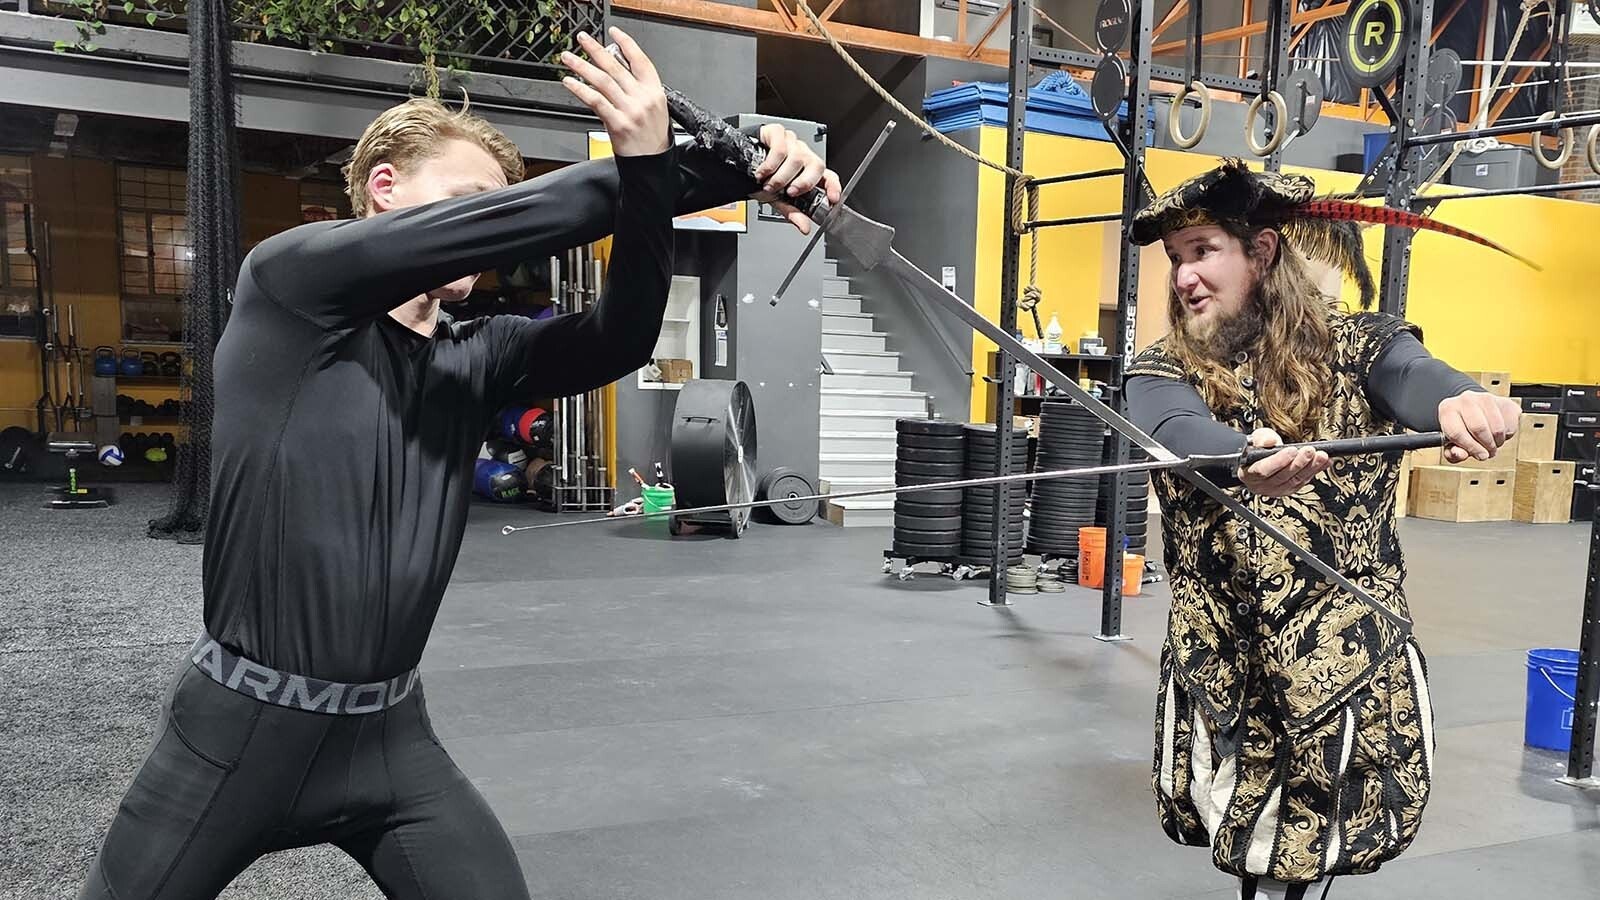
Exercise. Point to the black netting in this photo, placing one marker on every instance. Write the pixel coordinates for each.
(214, 236)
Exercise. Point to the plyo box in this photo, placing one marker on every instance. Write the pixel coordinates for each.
(1543, 491)
(1459, 494)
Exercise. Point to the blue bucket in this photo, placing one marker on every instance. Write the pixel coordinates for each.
(1552, 693)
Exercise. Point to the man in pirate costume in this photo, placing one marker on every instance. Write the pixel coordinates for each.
(1294, 735)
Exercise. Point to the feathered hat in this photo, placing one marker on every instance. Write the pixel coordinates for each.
(1327, 229)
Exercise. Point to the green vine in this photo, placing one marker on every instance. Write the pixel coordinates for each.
(436, 30)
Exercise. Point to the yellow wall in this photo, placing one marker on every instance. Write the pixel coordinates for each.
(1479, 310)
(77, 198)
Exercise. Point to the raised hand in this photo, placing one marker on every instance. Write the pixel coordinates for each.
(627, 98)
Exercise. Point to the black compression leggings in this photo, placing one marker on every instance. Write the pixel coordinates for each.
(231, 778)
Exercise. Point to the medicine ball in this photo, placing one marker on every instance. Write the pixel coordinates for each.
(498, 481)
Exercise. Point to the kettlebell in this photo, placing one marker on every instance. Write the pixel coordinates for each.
(150, 362)
(105, 360)
(131, 365)
(171, 364)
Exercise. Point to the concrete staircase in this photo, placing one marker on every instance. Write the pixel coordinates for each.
(860, 402)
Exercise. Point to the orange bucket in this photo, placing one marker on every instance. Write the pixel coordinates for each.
(1132, 574)
(1091, 556)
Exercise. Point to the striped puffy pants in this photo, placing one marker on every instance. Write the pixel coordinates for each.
(1337, 799)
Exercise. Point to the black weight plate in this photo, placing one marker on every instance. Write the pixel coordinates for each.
(927, 523)
(928, 426)
(930, 441)
(1372, 46)
(784, 483)
(1062, 523)
(935, 513)
(1113, 19)
(908, 536)
(1057, 494)
(923, 454)
(17, 449)
(947, 470)
(1444, 76)
(926, 551)
(1109, 87)
(950, 496)
(903, 478)
(1302, 93)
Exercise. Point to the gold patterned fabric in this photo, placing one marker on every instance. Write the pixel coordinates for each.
(1294, 733)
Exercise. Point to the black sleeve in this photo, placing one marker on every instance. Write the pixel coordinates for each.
(580, 351)
(1407, 384)
(339, 273)
(1172, 412)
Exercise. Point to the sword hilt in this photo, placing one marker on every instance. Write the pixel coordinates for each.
(1385, 443)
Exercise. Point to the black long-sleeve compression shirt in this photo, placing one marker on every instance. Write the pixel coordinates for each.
(343, 441)
(1405, 382)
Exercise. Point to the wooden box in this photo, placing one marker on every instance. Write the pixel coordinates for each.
(1458, 494)
(1402, 490)
(1496, 383)
(1428, 457)
(1536, 436)
(1543, 491)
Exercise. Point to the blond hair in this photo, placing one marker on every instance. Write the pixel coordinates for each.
(414, 131)
(1293, 367)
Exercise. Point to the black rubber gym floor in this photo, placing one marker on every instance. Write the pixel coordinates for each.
(775, 718)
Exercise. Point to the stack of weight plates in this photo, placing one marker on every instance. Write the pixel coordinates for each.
(1069, 438)
(927, 524)
(977, 510)
(1137, 517)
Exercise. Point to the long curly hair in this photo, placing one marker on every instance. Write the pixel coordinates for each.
(1292, 360)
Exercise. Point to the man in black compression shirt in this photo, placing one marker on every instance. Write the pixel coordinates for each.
(1294, 730)
(349, 411)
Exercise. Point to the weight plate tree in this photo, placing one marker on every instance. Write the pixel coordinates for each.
(977, 511)
(713, 451)
(1070, 437)
(927, 524)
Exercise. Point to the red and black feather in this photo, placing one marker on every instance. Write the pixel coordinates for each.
(1346, 210)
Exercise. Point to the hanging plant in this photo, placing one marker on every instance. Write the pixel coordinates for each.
(437, 30)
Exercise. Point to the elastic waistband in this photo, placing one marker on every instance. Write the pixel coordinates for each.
(269, 685)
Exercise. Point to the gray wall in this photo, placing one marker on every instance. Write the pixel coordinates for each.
(774, 350)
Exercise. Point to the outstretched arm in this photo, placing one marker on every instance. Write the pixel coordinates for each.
(1422, 393)
(341, 273)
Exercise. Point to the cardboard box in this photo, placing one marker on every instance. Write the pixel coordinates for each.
(675, 371)
(1536, 436)
(1496, 383)
(1543, 491)
(1457, 494)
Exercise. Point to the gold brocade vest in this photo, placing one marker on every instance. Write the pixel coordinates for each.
(1248, 617)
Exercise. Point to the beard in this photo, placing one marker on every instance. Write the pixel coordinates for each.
(1222, 335)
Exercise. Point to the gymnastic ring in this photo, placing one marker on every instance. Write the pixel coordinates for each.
(1175, 119)
(1592, 148)
(1560, 159)
(1281, 111)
